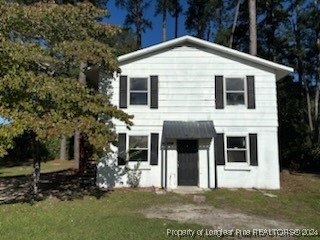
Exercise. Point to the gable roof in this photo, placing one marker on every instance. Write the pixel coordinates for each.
(280, 70)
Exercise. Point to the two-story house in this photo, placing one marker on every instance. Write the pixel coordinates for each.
(204, 115)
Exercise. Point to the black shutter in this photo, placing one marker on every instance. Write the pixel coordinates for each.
(154, 149)
(123, 92)
(219, 149)
(219, 92)
(122, 148)
(253, 150)
(251, 92)
(154, 92)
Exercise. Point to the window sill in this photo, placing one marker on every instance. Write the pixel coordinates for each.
(138, 106)
(236, 107)
(235, 167)
(143, 167)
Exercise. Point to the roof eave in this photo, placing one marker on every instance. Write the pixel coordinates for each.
(280, 70)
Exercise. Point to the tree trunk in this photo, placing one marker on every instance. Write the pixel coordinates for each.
(303, 82)
(209, 32)
(76, 149)
(36, 167)
(164, 21)
(316, 100)
(253, 27)
(139, 24)
(234, 24)
(63, 148)
(306, 88)
(176, 17)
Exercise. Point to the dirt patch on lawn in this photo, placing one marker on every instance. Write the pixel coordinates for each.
(214, 218)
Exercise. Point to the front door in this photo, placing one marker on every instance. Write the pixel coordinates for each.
(188, 173)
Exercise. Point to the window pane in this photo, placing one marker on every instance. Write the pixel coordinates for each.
(139, 98)
(236, 156)
(138, 84)
(138, 142)
(235, 84)
(236, 142)
(235, 98)
(138, 155)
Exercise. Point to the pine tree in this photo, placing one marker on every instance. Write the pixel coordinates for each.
(175, 12)
(198, 17)
(135, 16)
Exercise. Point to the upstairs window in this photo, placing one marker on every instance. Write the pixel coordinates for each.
(138, 148)
(236, 149)
(138, 91)
(235, 91)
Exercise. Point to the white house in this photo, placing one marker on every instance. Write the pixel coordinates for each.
(204, 115)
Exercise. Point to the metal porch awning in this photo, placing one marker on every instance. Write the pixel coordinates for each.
(188, 130)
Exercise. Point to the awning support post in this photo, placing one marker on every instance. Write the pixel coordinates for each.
(166, 162)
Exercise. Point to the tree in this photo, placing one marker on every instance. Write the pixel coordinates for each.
(222, 13)
(198, 17)
(135, 16)
(175, 12)
(38, 44)
(274, 18)
(97, 3)
(252, 27)
(234, 23)
(301, 150)
(162, 7)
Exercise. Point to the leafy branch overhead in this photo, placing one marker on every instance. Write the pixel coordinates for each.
(41, 45)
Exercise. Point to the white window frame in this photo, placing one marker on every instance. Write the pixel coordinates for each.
(137, 91)
(148, 148)
(245, 91)
(245, 164)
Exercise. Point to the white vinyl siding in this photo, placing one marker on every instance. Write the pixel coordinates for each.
(186, 92)
(187, 89)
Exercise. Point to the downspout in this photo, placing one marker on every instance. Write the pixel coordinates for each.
(166, 162)
(208, 156)
(215, 172)
(162, 185)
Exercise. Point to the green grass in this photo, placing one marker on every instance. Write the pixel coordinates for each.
(298, 201)
(27, 168)
(116, 215)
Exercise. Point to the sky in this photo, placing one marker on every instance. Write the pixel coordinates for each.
(154, 35)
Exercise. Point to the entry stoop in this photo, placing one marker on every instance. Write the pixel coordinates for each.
(188, 190)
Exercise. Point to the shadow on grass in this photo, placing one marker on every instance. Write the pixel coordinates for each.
(6, 163)
(66, 185)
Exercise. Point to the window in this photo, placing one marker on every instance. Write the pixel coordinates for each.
(138, 91)
(235, 91)
(236, 149)
(138, 148)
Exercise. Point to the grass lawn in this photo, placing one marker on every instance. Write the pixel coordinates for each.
(115, 215)
(111, 217)
(298, 201)
(27, 168)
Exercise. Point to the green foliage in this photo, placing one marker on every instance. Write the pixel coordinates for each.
(198, 17)
(135, 16)
(37, 43)
(211, 19)
(134, 175)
